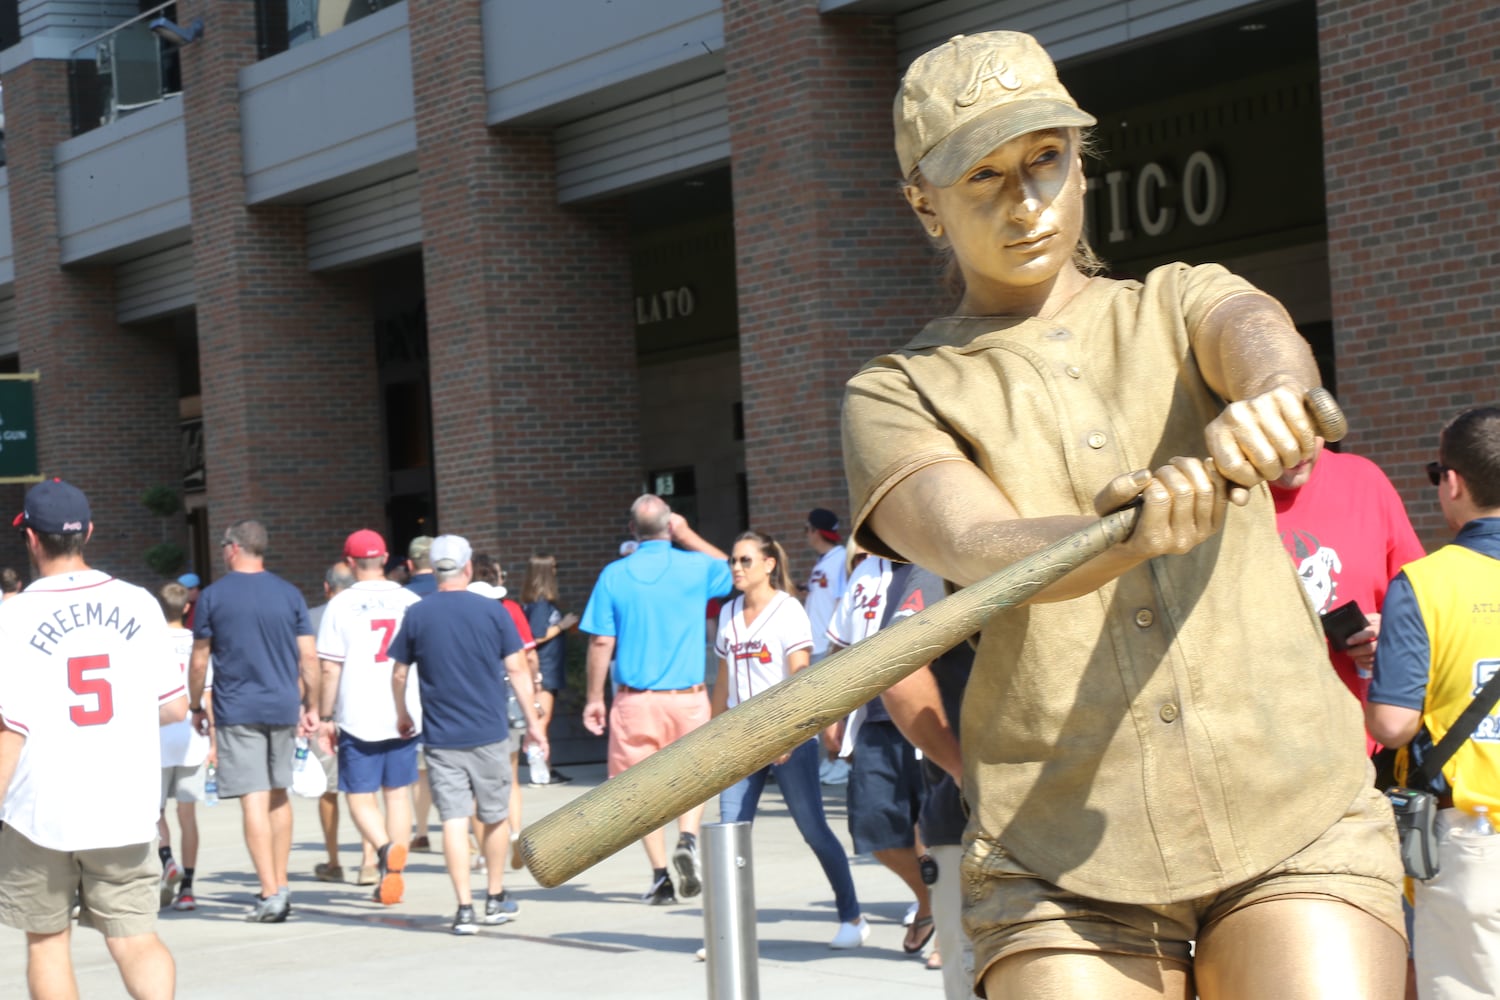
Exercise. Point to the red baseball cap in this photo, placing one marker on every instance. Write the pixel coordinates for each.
(364, 544)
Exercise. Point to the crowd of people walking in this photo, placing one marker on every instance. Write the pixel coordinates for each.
(409, 698)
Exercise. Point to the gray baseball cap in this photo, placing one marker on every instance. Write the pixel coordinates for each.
(450, 552)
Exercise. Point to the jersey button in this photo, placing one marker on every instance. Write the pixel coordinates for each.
(1074, 371)
(1145, 618)
(1168, 712)
(1096, 439)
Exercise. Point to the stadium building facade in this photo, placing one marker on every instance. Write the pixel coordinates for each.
(494, 267)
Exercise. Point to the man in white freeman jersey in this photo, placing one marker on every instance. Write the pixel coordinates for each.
(358, 626)
(87, 677)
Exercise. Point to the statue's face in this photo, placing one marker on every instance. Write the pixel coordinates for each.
(1015, 217)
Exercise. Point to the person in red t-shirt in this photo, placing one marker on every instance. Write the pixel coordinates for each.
(1347, 532)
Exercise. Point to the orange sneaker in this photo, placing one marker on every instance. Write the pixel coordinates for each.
(391, 886)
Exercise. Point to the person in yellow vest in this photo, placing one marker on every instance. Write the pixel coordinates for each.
(1439, 644)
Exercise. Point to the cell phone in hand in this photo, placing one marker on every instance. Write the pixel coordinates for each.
(1343, 622)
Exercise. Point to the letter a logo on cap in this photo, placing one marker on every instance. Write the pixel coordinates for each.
(984, 73)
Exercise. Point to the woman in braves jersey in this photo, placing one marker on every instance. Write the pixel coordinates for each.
(764, 637)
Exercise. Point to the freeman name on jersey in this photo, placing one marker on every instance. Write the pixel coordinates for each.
(77, 616)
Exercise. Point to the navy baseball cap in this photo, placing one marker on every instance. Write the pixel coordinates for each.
(54, 507)
(825, 522)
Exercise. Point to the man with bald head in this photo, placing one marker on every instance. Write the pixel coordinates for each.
(646, 613)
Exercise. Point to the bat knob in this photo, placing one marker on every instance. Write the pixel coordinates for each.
(1329, 419)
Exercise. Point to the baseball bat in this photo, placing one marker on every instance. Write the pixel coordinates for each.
(759, 730)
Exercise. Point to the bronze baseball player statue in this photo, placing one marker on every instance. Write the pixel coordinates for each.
(1167, 790)
(1166, 780)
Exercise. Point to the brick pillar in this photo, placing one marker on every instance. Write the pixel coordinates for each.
(529, 326)
(106, 405)
(832, 266)
(291, 400)
(1410, 103)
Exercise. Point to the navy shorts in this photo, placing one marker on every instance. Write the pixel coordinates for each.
(554, 677)
(885, 789)
(369, 767)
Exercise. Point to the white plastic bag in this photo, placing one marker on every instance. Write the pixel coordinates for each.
(308, 779)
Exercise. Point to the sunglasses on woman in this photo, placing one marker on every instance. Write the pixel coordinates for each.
(744, 562)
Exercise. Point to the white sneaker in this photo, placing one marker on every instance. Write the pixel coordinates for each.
(911, 915)
(171, 875)
(851, 935)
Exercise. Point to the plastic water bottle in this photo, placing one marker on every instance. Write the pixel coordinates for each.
(537, 761)
(299, 759)
(211, 786)
(1480, 825)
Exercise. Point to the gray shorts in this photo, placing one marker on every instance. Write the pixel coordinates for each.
(185, 784)
(460, 778)
(254, 758)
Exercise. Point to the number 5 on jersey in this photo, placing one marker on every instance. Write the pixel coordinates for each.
(97, 687)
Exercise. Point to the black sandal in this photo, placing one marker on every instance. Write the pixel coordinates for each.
(918, 926)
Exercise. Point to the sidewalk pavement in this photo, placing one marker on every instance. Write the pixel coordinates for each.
(591, 937)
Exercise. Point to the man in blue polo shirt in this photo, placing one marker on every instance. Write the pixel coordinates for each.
(647, 613)
(463, 642)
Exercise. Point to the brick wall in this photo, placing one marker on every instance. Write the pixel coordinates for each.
(1411, 104)
(106, 404)
(529, 326)
(291, 408)
(832, 266)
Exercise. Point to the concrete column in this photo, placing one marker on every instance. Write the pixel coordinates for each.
(529, 325)
(832, 266)
(1410, 104)
(291, 404)
(106, 405)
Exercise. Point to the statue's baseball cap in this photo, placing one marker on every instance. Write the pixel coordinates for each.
(973, 93)
(364, 544)
(54, 507)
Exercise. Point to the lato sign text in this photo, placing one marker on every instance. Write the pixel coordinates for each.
(658, 307)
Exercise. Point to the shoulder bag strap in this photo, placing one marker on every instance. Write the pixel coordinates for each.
(1462, 729)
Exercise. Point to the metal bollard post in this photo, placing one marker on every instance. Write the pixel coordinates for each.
(729, 913)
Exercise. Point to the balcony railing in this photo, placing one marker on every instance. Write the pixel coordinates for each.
(286, 24)
(123, 70)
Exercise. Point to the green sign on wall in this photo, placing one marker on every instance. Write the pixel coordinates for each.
(17, 429)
